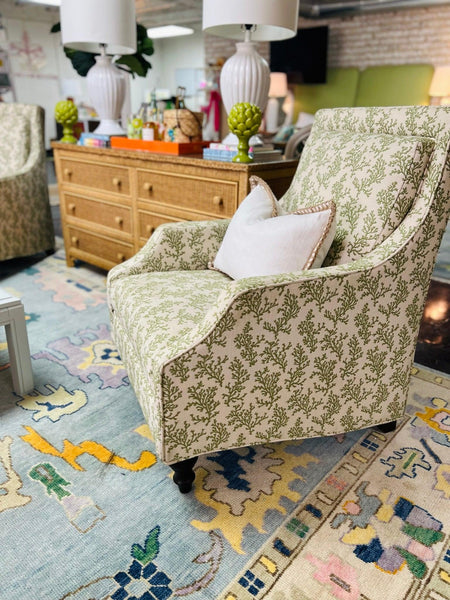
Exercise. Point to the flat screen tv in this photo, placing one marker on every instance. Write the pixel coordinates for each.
(304, 57)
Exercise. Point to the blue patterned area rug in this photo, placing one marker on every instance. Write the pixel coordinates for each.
(87, 512)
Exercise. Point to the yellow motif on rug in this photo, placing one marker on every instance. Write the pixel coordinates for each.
(246, 484)
(71, 452)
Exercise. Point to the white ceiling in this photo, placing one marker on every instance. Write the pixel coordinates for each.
(169, 12)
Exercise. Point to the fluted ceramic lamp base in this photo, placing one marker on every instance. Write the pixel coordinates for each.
(245, 77)
(106, 88)
(110, 127)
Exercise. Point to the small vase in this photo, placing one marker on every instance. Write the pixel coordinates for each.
(243, 147)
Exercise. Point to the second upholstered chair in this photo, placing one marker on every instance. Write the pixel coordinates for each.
(26, 225)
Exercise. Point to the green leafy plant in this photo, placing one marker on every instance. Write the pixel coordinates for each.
(135, 64)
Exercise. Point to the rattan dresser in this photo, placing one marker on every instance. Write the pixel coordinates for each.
(112, 200)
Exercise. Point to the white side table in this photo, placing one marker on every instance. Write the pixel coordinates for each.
(12, 316)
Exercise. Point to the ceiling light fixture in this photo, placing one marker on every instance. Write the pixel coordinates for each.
(168, 31)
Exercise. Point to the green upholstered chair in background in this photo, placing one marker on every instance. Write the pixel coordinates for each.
(394, 85)
(218, 363)
(26, 225)
(380, 85)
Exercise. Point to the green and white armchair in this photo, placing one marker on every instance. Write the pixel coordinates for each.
(26, 225)
(218, 363)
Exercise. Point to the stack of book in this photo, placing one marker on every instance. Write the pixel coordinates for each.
(94, 140)
(226, 152)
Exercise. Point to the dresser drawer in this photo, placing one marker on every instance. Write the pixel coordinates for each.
(199, 194)
(111, 251)
(149, 221)
(102, 177)
(107, 214)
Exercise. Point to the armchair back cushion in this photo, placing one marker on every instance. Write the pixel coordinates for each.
(372, 178)
(14, 144)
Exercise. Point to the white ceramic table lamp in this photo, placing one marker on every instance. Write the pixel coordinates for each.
(245, 77)
(108, 27)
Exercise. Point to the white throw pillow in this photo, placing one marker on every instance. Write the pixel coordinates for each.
(262, 240)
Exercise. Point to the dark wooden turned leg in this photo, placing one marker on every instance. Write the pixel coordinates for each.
(387, 427)
(184, 474)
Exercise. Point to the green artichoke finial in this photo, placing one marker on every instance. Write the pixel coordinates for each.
(244, 121)
(66, 113)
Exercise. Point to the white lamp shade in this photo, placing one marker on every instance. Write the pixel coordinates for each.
(274, 19)
(85, 24)
(440, 84)
(278, 85)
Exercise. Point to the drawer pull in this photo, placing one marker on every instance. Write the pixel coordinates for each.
(120, 257)
(118, 220)
(150, 229)
(148, 186)
(72, 207)
(75, 241)
(116, 181)
(67, 172)
(218, 201)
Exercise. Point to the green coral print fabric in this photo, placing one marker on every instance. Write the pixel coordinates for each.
(14, 144)
(163, 337)
(217, 363)
(176, 246)
(26, 225)
(372, 178)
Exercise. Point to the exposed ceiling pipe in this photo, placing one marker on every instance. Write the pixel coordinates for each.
(310, 9)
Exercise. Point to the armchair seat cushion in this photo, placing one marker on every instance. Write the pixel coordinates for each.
(162, 312)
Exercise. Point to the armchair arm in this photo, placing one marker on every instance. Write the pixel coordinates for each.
(185, 246)
(313, 353)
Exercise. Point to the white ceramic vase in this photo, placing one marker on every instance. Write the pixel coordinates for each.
(106, 87)
(245, 77)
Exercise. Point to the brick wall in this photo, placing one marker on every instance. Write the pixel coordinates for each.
(419, 35)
